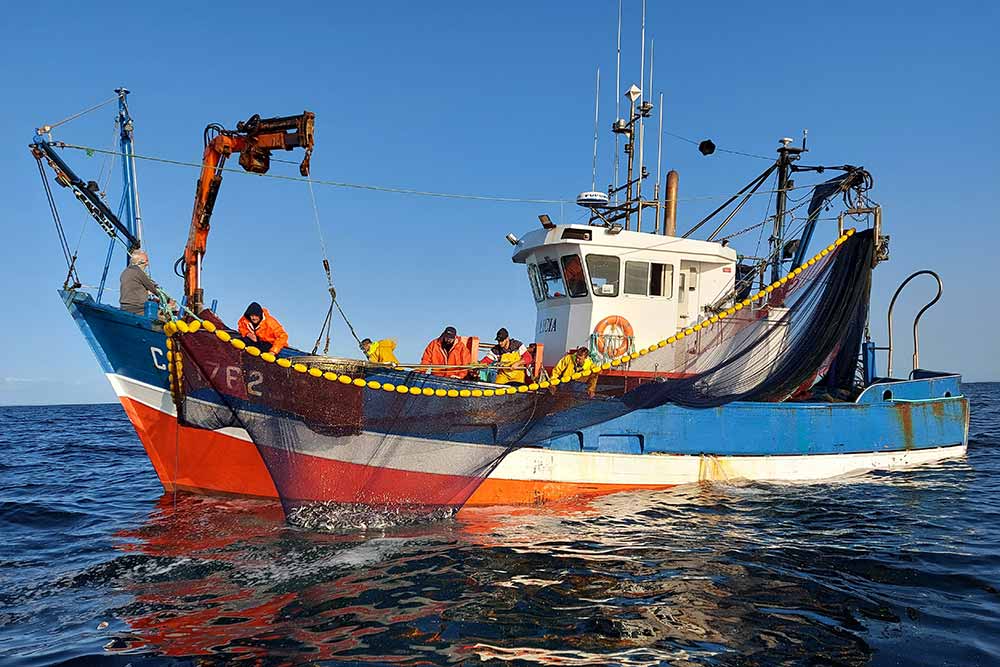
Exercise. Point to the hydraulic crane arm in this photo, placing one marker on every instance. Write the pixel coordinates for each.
(85, 192)
(253, 139)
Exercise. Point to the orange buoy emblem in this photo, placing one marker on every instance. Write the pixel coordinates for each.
(613, 334)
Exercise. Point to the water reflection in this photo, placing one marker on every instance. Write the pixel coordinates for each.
(709, 574)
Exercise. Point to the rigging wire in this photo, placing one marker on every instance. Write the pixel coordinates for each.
(45, 129)
(71, 272)
(720, 150)
(381, 188)
(336, 184)
(328, 320)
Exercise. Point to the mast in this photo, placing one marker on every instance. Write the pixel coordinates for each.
(597, 111)
(130, 193)
(642, 105)
(787, 154)
(618, 102)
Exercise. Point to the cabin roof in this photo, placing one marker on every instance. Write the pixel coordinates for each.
(608, 242)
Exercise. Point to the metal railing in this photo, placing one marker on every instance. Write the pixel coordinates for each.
(916, 320)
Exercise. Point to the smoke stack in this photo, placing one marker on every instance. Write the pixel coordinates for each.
(670, 212)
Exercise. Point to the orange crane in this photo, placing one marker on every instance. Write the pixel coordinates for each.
(253, 139)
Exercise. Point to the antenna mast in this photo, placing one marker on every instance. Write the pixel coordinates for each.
(597, 110)
(618, 103)
(659, 151)
(642, 136)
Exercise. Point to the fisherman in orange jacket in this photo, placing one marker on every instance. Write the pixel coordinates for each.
(260, 328)
(446, 350)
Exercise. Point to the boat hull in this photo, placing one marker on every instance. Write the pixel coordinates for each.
(916, 422)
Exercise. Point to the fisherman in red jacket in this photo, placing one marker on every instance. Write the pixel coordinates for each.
(260, 328)
(447, 350)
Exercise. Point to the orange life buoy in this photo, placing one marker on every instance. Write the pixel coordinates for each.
(611, 322)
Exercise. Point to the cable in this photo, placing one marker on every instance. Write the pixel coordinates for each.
(380, 188)
(45, 129)
(721, 150)
(336, 184)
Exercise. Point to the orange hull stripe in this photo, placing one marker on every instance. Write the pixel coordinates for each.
(209, 462)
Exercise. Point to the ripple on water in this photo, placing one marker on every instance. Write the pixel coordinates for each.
(885, 569)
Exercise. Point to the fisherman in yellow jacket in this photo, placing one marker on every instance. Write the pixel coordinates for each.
(576, 361)
(380, 352)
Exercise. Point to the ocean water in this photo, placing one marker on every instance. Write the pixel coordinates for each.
(98, 566)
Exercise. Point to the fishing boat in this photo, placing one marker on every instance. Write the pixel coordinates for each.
(701, 363)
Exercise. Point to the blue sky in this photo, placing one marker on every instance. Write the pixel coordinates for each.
(486, 98)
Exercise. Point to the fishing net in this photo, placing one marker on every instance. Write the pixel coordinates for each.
(386, 437)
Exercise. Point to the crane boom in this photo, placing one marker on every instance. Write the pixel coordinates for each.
(253, 139)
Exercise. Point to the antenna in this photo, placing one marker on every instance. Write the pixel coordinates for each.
(618, 104)
(659, 150)
(642, 136)
(652, 44)
(597, 110)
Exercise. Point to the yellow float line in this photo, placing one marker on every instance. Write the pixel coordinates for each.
(171, 329)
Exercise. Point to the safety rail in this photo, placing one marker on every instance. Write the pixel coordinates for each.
(916, 320)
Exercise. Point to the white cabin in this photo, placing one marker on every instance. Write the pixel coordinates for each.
(615, 290)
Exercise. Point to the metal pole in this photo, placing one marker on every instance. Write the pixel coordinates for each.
(642, 136)
(784, 167)
(630, 149)
(659, 150)
(618, 102)
(597, 109)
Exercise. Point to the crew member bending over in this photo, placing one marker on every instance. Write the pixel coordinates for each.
(380, 352)
(576, 361)
(446, 350)
(259, 327)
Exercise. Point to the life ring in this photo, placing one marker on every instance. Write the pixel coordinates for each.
(613, 322)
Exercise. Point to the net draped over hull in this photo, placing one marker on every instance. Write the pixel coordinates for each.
(380, 440)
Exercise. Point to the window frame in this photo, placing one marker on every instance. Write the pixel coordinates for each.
(618, 276)
(666, 291)
(535, 280)
(583, 276)
(645, 278)
(545, 281)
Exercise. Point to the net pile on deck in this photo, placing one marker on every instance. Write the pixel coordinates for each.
(410, 439)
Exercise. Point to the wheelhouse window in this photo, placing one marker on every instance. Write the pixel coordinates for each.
(661, 280)
(649, 279)
(576, 281)
(604, 274)
(552, 282)
(536, 283)
(636, 274)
